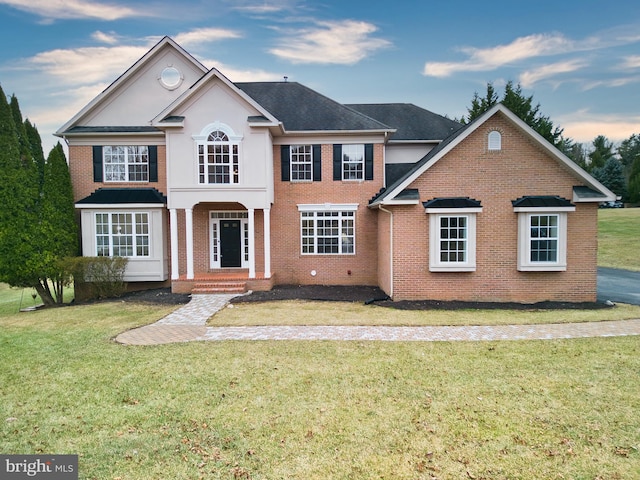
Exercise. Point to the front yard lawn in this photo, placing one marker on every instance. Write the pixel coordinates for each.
(619, 238)
(314, 410)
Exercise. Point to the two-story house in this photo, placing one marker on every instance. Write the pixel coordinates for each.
(207, 184)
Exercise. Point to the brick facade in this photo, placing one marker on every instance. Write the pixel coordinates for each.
(291, 266)
(495, 178)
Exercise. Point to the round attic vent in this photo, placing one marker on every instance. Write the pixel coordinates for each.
(171, 78)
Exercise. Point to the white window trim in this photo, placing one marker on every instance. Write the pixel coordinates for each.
(435, 214)
(494, 141)
(524, 240)
(128, 155)
(133, 214)
(215, 217)
(310, 163)
(234, 139)
(362, 162)
(328, 207)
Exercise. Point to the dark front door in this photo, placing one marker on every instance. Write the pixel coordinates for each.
(230, 245)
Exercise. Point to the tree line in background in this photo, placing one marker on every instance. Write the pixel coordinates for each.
(617, 168)
(37, 219)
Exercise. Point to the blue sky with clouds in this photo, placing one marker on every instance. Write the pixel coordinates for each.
(579, 59)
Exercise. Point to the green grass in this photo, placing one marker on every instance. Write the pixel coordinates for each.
(619, 238)
(314, 410)
(298, 312)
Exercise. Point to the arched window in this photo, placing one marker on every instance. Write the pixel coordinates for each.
(494, 141)
(218, 158)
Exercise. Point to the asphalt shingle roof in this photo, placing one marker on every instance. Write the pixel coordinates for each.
(107, 196)
(301, 109)
(411, 122)
(542, 201)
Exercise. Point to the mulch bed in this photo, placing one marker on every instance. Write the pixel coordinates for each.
(357, 294)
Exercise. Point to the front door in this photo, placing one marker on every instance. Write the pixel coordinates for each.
(230, 244)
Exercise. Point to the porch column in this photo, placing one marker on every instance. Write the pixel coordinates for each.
(189, 237)
(175, 261)
(252, 243)
(267, 242)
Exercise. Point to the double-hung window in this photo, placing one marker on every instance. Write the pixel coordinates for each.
(452, 234)
(122, 234)
(328, 229)
(542, 233)
(301, 163)
(125, 163)
(218, 159)
(352, 162)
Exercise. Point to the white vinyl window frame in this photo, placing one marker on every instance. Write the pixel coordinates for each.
(218, 155)
(542, 238)
(301, 163)
(122, 234)
(353, 162)
(125, 163)
(328, 229)
(494, 141)
(452, 239)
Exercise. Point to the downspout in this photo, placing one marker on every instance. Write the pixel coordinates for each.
(390, 248)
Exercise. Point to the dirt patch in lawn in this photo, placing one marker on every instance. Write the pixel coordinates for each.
(357, 294)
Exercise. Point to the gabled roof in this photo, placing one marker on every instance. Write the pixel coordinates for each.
(412, 123)
(460, 135)
(166, 117)
(302, 109)
(166, 41)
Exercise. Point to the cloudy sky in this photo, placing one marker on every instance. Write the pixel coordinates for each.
(579, 60)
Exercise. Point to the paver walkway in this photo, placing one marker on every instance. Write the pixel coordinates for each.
(188, 323)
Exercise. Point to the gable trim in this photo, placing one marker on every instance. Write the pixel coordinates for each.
(433, 157)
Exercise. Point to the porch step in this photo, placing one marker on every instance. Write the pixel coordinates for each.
(219, 287)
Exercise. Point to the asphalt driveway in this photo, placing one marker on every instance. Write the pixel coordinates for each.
(622, 286)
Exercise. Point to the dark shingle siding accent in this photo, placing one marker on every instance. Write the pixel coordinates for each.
(301, 109)
(542, 201)
(106, 196)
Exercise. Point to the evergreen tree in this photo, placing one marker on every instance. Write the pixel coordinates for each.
(520, 105)
(611, 175)
(481, 105)
(58, 221)
(18, 215)
(602, 151)
(629, 151)
(37, 227)
(35, 147)
(633, 192)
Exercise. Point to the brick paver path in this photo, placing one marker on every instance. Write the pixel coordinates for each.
(188, 323)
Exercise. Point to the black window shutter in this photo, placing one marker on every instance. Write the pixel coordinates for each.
(97, 163)
(317, 163)
(153, 163)
(368, 161)
(285, 161)
(337, 162)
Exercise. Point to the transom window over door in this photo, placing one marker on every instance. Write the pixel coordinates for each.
(218, 159)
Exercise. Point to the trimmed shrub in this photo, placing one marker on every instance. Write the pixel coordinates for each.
(98, 277)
